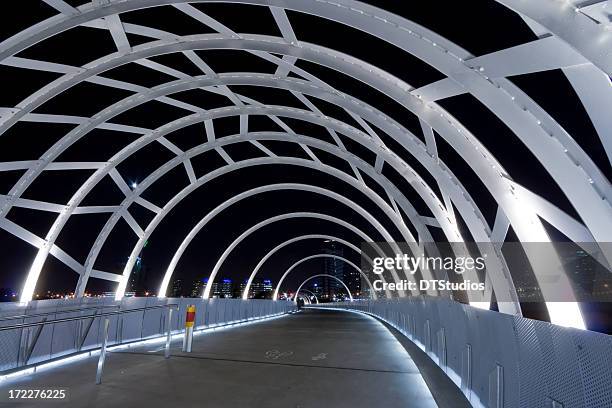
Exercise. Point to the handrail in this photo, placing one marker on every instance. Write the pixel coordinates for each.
(27, 316)
(74, 341)
(70, 319)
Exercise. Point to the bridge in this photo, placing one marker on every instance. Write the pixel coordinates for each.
(245, 158)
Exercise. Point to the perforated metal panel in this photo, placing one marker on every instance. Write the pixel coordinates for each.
(594, 355)
(500, 360)
(531, 366)
(20, 347)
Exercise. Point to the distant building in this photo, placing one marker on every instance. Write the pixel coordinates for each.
(197, 288)
(586, 275)
(261, 289)
(226, 288)
(352, 279)
(333, 267)
(223, 289)
(138, 277)
(316, 287)
(177, 288)
(328, 288)
(242, 288)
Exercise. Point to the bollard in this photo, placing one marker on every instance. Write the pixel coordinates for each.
(189, 323)
(169, 335)
(102, 353)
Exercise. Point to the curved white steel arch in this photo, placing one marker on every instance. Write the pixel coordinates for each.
(313, 294)
(271, 187)
(277, 187)
(245, 293)
(477, 156)
(596, 180)
(570, 25)
(407, 236)
(89, 184)
(276, 136)
(563, 20)
(225, 254)
(169, 272)
(318, 256)
(318, 166)
(194, 231)
(306, 299)
(74, 202)
(394, 124)
(303, 140)
(329, 276)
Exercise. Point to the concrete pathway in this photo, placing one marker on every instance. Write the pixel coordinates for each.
(311, 359)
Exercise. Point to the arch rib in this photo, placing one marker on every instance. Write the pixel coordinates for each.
(49, 25)
(245, 293)
(317, 256)
(329, 276)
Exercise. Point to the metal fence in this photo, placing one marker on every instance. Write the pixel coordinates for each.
(500, 360)
(49, 329)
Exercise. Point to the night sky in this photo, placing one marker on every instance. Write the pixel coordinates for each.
(479, 26)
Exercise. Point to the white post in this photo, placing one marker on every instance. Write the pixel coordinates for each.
(102, 353)
(169, 335)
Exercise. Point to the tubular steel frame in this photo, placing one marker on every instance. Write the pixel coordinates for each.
(574, 39)
(245, 294)
(317, 256)
(329, 276)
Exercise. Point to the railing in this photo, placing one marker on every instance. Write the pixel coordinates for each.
(43, 336)
(499, 360)
(56, 312)
(27, 347)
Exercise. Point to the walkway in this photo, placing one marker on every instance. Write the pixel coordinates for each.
(311, 359)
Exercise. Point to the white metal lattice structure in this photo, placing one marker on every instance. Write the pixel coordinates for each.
(326, 275)
(245, 293)
(311, 294)
(318, 256)
(572, 38)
